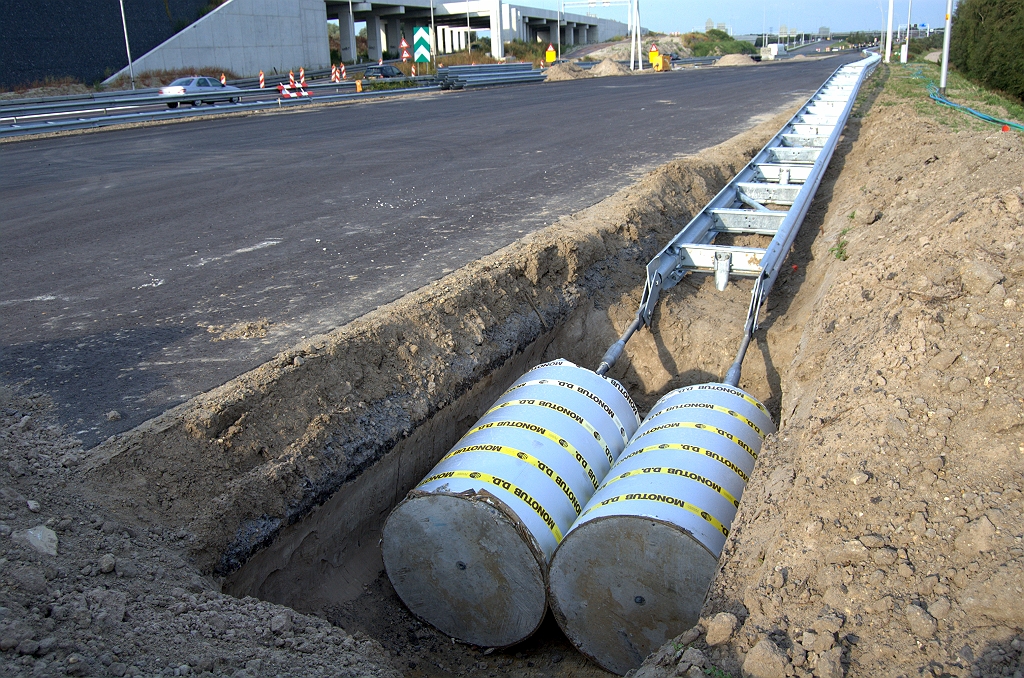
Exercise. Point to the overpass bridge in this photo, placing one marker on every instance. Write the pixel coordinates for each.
(275, 36)
(387, 21)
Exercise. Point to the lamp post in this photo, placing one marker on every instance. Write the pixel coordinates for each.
(888, 36)
(945, 47)
(124, 24)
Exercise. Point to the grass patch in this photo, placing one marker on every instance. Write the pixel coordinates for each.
(716, 43)
(910, 83)
(161, 78)
(839, 249)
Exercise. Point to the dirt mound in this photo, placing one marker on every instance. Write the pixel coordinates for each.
(620, 50)
(609, 67)
(567, 71)
(881, 533)
(86, 592)
(735, 60)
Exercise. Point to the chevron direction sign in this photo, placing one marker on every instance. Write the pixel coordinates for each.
(421, 43)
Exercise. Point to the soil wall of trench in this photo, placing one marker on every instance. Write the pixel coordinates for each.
(277, 483)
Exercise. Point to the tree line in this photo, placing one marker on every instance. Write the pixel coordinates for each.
(987, 43)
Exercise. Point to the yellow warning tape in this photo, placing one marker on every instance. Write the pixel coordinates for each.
(561, 409)
(688, 448)
(725, 389)
(581, 390)
(540, 430)
(702, 427)
(559, 362)
(519, 493)
(716, 408)
(680, 473)
(529, 459)
(665, 499)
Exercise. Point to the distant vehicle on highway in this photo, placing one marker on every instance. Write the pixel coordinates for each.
(382, 71)
(198, 85)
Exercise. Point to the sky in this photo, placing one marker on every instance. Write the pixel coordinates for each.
(751, 16)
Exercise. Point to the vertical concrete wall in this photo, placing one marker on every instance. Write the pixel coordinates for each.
(608, 29)
(247, 36)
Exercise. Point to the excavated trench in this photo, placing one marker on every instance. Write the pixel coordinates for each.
(277, 483)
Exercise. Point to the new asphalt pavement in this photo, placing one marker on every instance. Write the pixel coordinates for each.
(122, 248)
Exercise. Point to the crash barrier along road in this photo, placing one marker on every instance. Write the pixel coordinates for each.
(627, 560)
(53, 114)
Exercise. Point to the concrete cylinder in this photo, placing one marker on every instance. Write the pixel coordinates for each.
(467, 550)
(633, 570)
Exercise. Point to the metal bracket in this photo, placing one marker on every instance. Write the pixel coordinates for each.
(723, 262)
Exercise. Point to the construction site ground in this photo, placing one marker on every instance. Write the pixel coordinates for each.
(880, 535)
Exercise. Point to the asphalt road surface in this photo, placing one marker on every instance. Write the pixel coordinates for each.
(121, 248)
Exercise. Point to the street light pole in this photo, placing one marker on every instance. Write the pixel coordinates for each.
(124, 24)
(433, 36)
(945, 47)
(888, 36)
(351, 35)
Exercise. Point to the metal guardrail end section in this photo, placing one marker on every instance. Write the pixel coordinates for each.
(460, 77)
(770, 196)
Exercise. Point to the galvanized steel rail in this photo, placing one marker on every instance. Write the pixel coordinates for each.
(784, 174)
(34, 121)
(460, 77)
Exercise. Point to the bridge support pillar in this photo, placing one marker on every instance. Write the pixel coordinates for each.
(497, 36)
(570, 33)
(393, 33)
(374, 37)
(554, 33)
(348, 34)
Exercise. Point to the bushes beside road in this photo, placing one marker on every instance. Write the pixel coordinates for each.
(987, 43)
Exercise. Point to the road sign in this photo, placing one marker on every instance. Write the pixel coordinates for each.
(403, 44)
(550, 55)
(405, 55)
(421, 43)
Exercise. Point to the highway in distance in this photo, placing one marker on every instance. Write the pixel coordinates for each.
(122, 247)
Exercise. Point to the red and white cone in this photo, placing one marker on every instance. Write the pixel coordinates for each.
(334, 74)
(414, 70)
(344, 75)
(302, 77)
(291, 78)
(223, 80)
(381, 62)
(263, 83)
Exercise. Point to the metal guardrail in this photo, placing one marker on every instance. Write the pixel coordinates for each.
(460, 77)
(39, 126)
(785, 174)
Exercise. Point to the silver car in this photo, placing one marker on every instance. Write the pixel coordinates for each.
(198, 85)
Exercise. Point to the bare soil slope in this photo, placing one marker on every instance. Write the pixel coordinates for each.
(882, 532)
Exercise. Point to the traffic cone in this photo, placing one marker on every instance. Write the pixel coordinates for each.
(344, 75)
(414, 70)
(291, 78)
(302, 77)
(262, 81)
(223, 80)
(381, 62)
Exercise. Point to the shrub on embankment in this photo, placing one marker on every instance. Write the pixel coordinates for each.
(987, 43)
